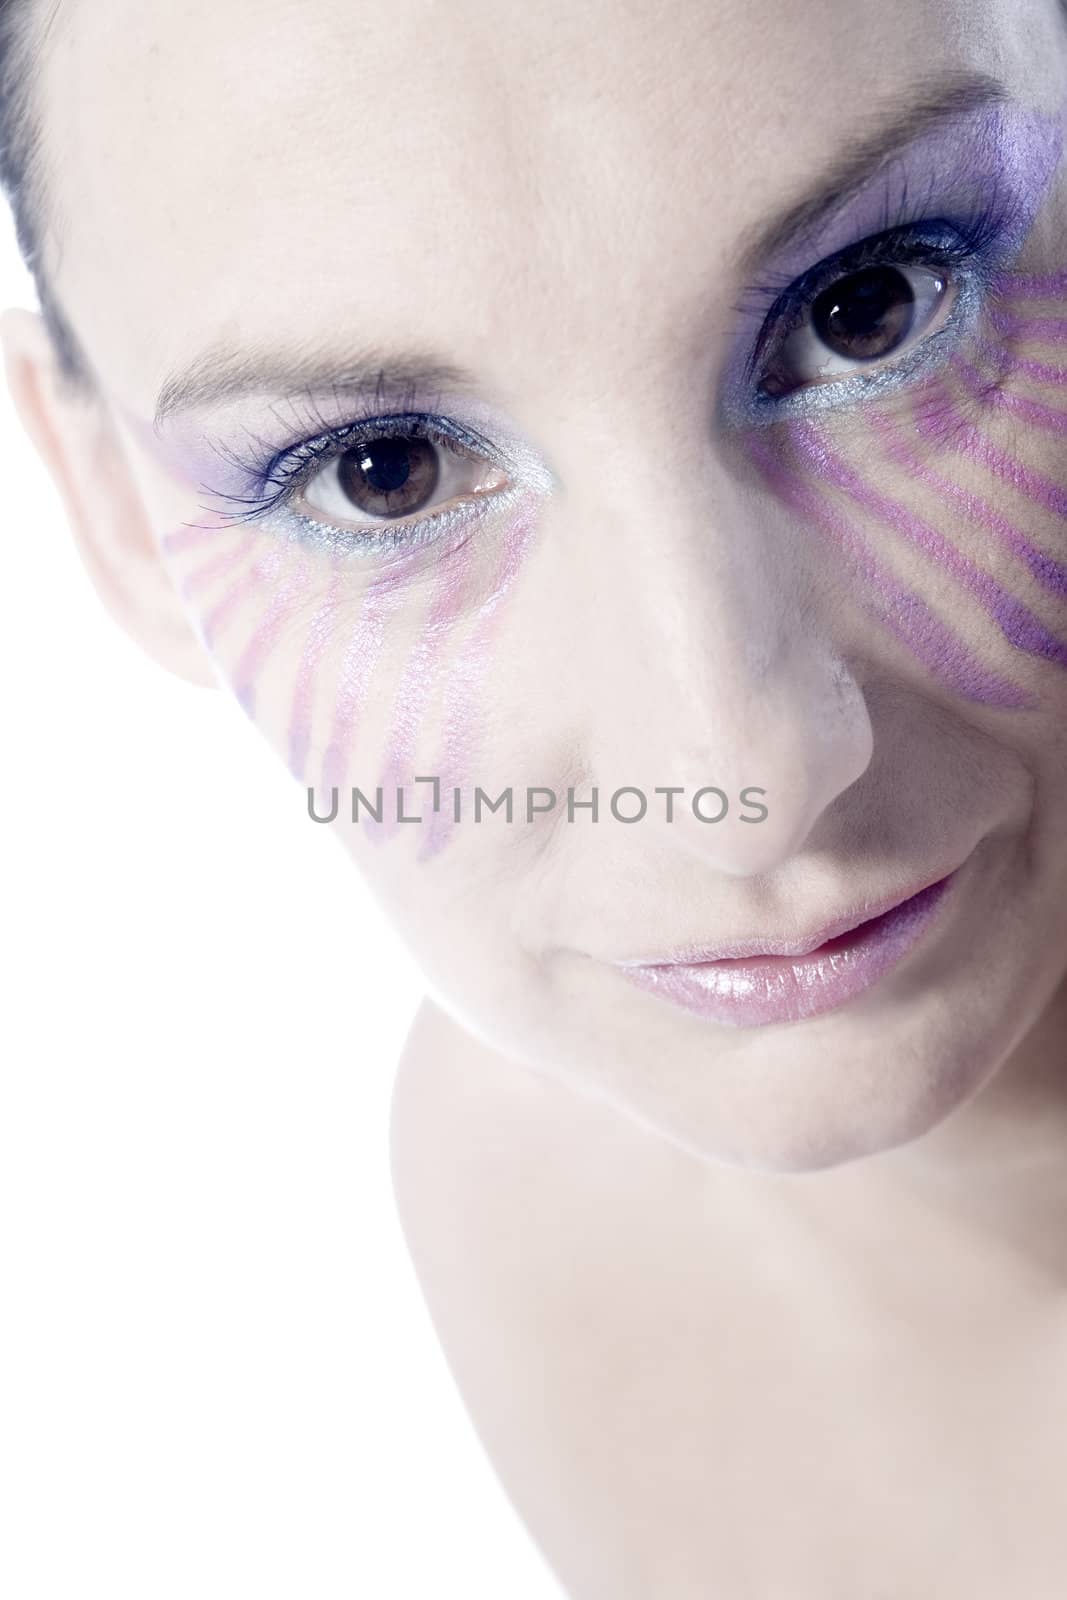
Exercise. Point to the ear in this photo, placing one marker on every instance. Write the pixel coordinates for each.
(77, 442)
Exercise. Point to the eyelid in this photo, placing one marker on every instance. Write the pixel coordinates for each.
(290, 469)
(397, 538)
(893, 245)
(933, 296)
(936, 243)
(297, 463)
(461, 475)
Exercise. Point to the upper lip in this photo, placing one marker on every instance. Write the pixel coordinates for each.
(770, 945)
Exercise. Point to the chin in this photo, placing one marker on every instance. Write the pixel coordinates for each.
(811, 1096)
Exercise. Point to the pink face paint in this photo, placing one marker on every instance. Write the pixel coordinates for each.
(219, 566)
(1022, 629)
(1009, 364)
(263, 570)
(1050, 573)
(903, 612)
(380, 601)
(1034, 412)
(1031, 286)
(462, 730)
(191, 458)
(416, 683)
(284, 603)
(195, 535)
(320, 631)
(1045, 330)
(946, 425)
(1007, 151)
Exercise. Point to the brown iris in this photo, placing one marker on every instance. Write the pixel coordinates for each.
(865, 315)
(389, 477)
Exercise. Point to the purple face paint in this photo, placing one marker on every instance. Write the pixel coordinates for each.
(1043, 330)
(378, 580)
(998, 162)
(1015, 621)
(286, 579)
(284, 604)
(1008, 151)
(1002, 151)
(380, 602)
(948, 426)
(906, 615)
(1005, 400)
(1003, 156)
(262, 572)
(1050, 573)
(204, 578)
(462, 728)
(1031, 286)
(320, 631)
(194, 536)
(417, 681)
(1009, 365)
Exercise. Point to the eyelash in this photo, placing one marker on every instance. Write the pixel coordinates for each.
(955, 249)
(275, 485)
(959, 249)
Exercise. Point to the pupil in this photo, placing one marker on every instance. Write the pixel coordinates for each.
(389, 477)
(385, 464)
(865, 315)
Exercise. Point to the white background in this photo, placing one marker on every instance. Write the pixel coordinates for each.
(217, 1375)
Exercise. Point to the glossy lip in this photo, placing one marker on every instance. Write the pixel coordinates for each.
(762, 982)
(865, 911)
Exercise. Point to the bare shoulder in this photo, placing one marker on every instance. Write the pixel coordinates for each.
(470, 1138)
(475, 1135)
(558, 1252)
(518, 1194)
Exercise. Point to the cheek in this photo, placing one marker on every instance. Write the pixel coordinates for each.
(947, 509)
(361, 677)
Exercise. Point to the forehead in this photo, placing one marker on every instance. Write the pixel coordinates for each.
(519, 180)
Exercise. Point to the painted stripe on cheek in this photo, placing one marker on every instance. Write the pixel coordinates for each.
(416, 682)
(1022, 629)
(462, 730)
(1050, 573)
(284, 603)
(380, 601)
(898, 608)
(301, 711)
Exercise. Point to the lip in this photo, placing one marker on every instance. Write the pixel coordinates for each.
(756, 983)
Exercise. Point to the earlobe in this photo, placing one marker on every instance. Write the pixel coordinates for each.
(74, 437)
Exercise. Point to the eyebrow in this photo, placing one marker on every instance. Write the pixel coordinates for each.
(223, 373)
(903, 122)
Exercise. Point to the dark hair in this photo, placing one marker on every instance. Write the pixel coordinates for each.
(24, 29)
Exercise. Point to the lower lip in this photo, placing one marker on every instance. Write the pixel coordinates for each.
(754, 991)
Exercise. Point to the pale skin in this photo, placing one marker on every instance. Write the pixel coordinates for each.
(771, 1311)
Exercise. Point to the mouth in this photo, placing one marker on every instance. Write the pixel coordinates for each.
(754, 987)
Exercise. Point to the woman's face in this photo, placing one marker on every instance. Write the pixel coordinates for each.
(512, 398)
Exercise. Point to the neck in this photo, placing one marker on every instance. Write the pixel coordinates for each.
(994, 1170)
(988, 1183)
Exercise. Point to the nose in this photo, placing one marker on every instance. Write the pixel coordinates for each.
(714, 671)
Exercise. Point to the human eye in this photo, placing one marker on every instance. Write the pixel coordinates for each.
(867, 319)
(374, 486)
